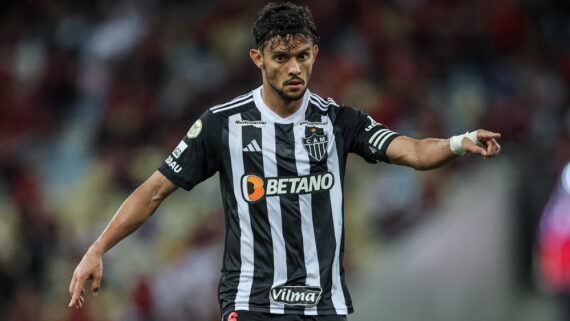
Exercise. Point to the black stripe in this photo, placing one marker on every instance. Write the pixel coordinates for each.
(322, 222)
(231, 266)
(347, 298)
(291, 220)
(342, 153)
(262, 241)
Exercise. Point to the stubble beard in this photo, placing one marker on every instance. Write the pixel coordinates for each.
(284, 95)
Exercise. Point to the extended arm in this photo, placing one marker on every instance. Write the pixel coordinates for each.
(432, 153)
(131, 215)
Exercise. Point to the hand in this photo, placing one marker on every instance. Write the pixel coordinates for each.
(488, 145)
(90, 268)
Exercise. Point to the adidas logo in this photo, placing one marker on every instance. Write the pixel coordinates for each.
(253, 146)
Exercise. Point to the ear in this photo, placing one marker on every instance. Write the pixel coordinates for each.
(256, 57)
(315, 52)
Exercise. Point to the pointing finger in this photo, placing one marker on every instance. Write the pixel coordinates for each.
(484, 135)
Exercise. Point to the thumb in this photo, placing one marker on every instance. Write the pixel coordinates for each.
(95, 284)
(471, 147)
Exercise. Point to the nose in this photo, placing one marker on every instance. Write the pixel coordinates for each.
(294, 67)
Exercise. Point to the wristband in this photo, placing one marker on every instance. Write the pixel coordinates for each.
(455, 142)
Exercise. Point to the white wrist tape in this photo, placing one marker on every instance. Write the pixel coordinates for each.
(455, 142)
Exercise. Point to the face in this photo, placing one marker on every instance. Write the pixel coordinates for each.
(287, 65)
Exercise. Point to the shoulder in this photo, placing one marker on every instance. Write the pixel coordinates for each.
(324, 104)
(233, 106)
(339, 113)
(214, 117)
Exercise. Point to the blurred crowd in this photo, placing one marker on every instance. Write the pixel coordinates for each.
(95, 94)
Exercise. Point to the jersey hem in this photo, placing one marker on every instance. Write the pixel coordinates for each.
(174, 179)
(349, 310)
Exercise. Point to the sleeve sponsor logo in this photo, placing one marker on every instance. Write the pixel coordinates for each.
(295, 295)
(255, 188)
(373, 124)
(179, 149)
(173, 164)
(195, 129)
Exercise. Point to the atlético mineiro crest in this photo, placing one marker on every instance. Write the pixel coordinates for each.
(316, 145)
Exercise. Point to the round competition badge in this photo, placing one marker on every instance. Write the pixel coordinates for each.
(195, 129)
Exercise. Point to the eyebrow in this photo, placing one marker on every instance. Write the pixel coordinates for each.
(288, 52)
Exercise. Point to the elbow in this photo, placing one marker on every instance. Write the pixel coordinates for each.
(419, 166)
(423, 167)
(158, 196)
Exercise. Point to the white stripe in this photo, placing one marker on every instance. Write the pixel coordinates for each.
(327, 102)
(376, 134)
(337, 294)
(235, 100)
(318, 104)
(384, 140)
(233, 106)
(274, 213)
(319, 98)
(377, 140)
(307, 227)
(256, 146)
(246, 237)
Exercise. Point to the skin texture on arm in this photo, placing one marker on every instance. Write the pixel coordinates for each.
(138, 207)
(431, 153)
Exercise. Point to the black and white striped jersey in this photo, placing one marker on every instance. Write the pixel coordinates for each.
(282, 190)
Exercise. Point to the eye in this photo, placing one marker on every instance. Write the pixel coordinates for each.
(280, 58)
(303, 56)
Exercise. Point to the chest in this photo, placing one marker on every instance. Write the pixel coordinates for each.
(290, 147)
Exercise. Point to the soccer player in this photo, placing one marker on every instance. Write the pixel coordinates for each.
(281, 151)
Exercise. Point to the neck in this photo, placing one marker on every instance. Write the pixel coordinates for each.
(282, 107)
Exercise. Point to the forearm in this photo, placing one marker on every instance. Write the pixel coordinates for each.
(128, 218)
(436, 153)
(134, 211)
(432, 153)
(424, 154)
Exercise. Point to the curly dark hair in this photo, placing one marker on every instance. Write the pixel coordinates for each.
(283, 19)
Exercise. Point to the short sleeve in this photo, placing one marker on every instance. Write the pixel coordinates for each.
(196, 157)
(367, 137)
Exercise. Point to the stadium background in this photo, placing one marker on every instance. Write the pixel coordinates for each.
(95, 94)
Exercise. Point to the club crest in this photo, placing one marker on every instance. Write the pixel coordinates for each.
(316, 145)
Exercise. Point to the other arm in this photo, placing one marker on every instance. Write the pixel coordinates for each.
(138, 207)
(432, 153)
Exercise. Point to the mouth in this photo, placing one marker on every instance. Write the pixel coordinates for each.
(294, 83)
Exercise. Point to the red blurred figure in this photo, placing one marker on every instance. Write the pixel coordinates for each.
(554, 237)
